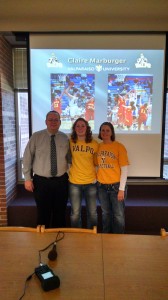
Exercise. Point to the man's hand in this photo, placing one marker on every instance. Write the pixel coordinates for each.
(29, 186)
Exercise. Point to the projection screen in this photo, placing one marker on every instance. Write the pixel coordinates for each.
(103, 77)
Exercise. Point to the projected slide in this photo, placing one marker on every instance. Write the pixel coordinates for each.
(122, 87)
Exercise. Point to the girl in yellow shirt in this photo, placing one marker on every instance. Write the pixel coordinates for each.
(82, 174)
(112, 162)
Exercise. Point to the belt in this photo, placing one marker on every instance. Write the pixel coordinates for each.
(108, 185)
(50, 178)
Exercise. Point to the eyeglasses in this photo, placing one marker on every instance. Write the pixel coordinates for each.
(53, 120)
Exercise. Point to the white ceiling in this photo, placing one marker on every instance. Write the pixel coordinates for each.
(83, 15)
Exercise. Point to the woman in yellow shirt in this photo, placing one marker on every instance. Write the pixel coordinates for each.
(82, 174)
(112, 161)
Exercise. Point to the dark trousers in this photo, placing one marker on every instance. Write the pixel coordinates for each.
(51, 196)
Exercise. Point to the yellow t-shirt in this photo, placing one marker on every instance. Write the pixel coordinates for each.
(82, 170)
(109, 159)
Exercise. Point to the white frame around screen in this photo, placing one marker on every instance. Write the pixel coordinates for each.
(20, 153)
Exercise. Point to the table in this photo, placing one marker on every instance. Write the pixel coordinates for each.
(135, 267)
(90, 266)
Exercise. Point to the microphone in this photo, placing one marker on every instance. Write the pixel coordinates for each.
(52, 255)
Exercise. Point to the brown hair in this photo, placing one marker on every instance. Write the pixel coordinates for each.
(88, 137)
(112, 130)
(52, 112)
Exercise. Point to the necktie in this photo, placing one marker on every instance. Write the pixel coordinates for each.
(53, 157)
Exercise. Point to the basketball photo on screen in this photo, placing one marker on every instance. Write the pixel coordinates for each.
(73, 96)
(129, 104)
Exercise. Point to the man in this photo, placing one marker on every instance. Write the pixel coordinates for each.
(50, 191)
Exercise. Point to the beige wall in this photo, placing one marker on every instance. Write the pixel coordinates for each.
(84, 15)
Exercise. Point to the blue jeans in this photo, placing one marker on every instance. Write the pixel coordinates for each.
(113, 215)
(76, 193)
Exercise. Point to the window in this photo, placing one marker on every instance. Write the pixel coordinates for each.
(21, 100)
(165, 164)
(22, 127)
